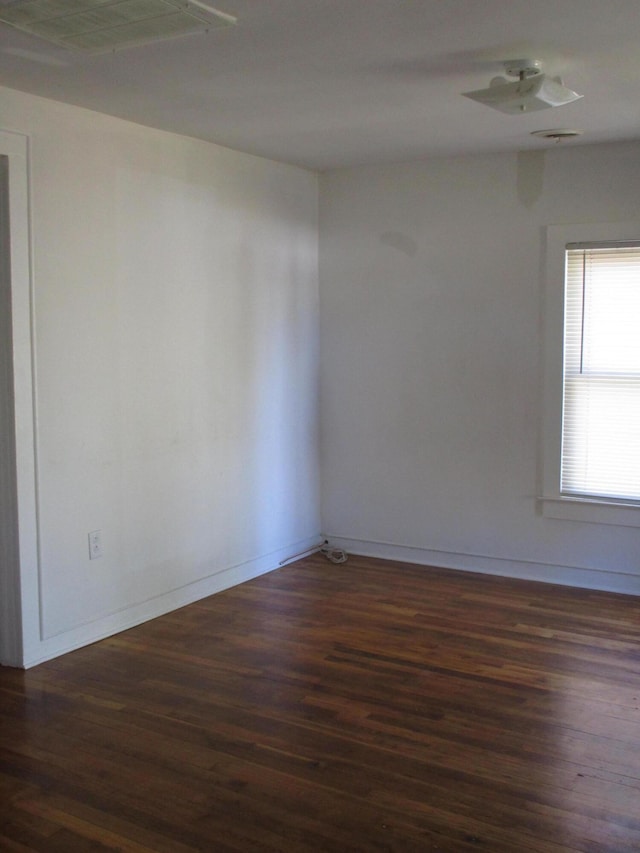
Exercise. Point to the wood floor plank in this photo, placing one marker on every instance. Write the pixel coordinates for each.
(372, 706)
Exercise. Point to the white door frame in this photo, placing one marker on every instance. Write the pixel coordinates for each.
(19, 586)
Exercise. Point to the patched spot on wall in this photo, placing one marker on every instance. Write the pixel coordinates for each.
(401, 242)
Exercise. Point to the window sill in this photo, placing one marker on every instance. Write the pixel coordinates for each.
(592, 511)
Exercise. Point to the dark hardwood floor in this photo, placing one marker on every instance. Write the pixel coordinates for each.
(372, 706)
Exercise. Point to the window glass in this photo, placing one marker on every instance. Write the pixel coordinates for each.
(601, 392)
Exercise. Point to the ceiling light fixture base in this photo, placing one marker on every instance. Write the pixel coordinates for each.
(522, 68)
(533, 90)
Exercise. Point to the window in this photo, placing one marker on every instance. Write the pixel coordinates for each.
(592, 374)
(601, 406)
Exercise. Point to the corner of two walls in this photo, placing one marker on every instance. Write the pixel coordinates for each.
(431, 289)
(175, 320)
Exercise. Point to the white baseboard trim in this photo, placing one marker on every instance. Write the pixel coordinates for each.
(159, 605)
(584, 578)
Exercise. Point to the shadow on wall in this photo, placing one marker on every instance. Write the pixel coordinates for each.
(530, 177)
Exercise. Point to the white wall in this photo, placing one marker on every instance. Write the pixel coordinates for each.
(175, 343)
(432, 278)
(175, 339)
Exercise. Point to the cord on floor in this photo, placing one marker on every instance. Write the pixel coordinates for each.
(334, 555)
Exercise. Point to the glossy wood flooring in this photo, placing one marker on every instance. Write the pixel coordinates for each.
(367, 707)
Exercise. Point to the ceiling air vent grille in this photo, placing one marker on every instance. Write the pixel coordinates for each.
(98, 26)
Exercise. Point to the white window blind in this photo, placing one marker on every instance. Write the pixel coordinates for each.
(601, 414)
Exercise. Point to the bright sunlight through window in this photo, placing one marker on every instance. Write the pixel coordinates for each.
(601, 409)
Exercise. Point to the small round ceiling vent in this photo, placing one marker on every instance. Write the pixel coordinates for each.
(557, 134)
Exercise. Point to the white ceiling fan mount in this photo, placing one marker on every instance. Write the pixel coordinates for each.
(522, 68)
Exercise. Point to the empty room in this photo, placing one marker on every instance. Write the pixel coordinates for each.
(319, 426)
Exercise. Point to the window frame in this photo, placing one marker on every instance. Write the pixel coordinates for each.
(553, 503)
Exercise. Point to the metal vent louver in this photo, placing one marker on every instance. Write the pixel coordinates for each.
(98, 26)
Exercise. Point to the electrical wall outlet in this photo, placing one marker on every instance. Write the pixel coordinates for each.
(95, 544)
